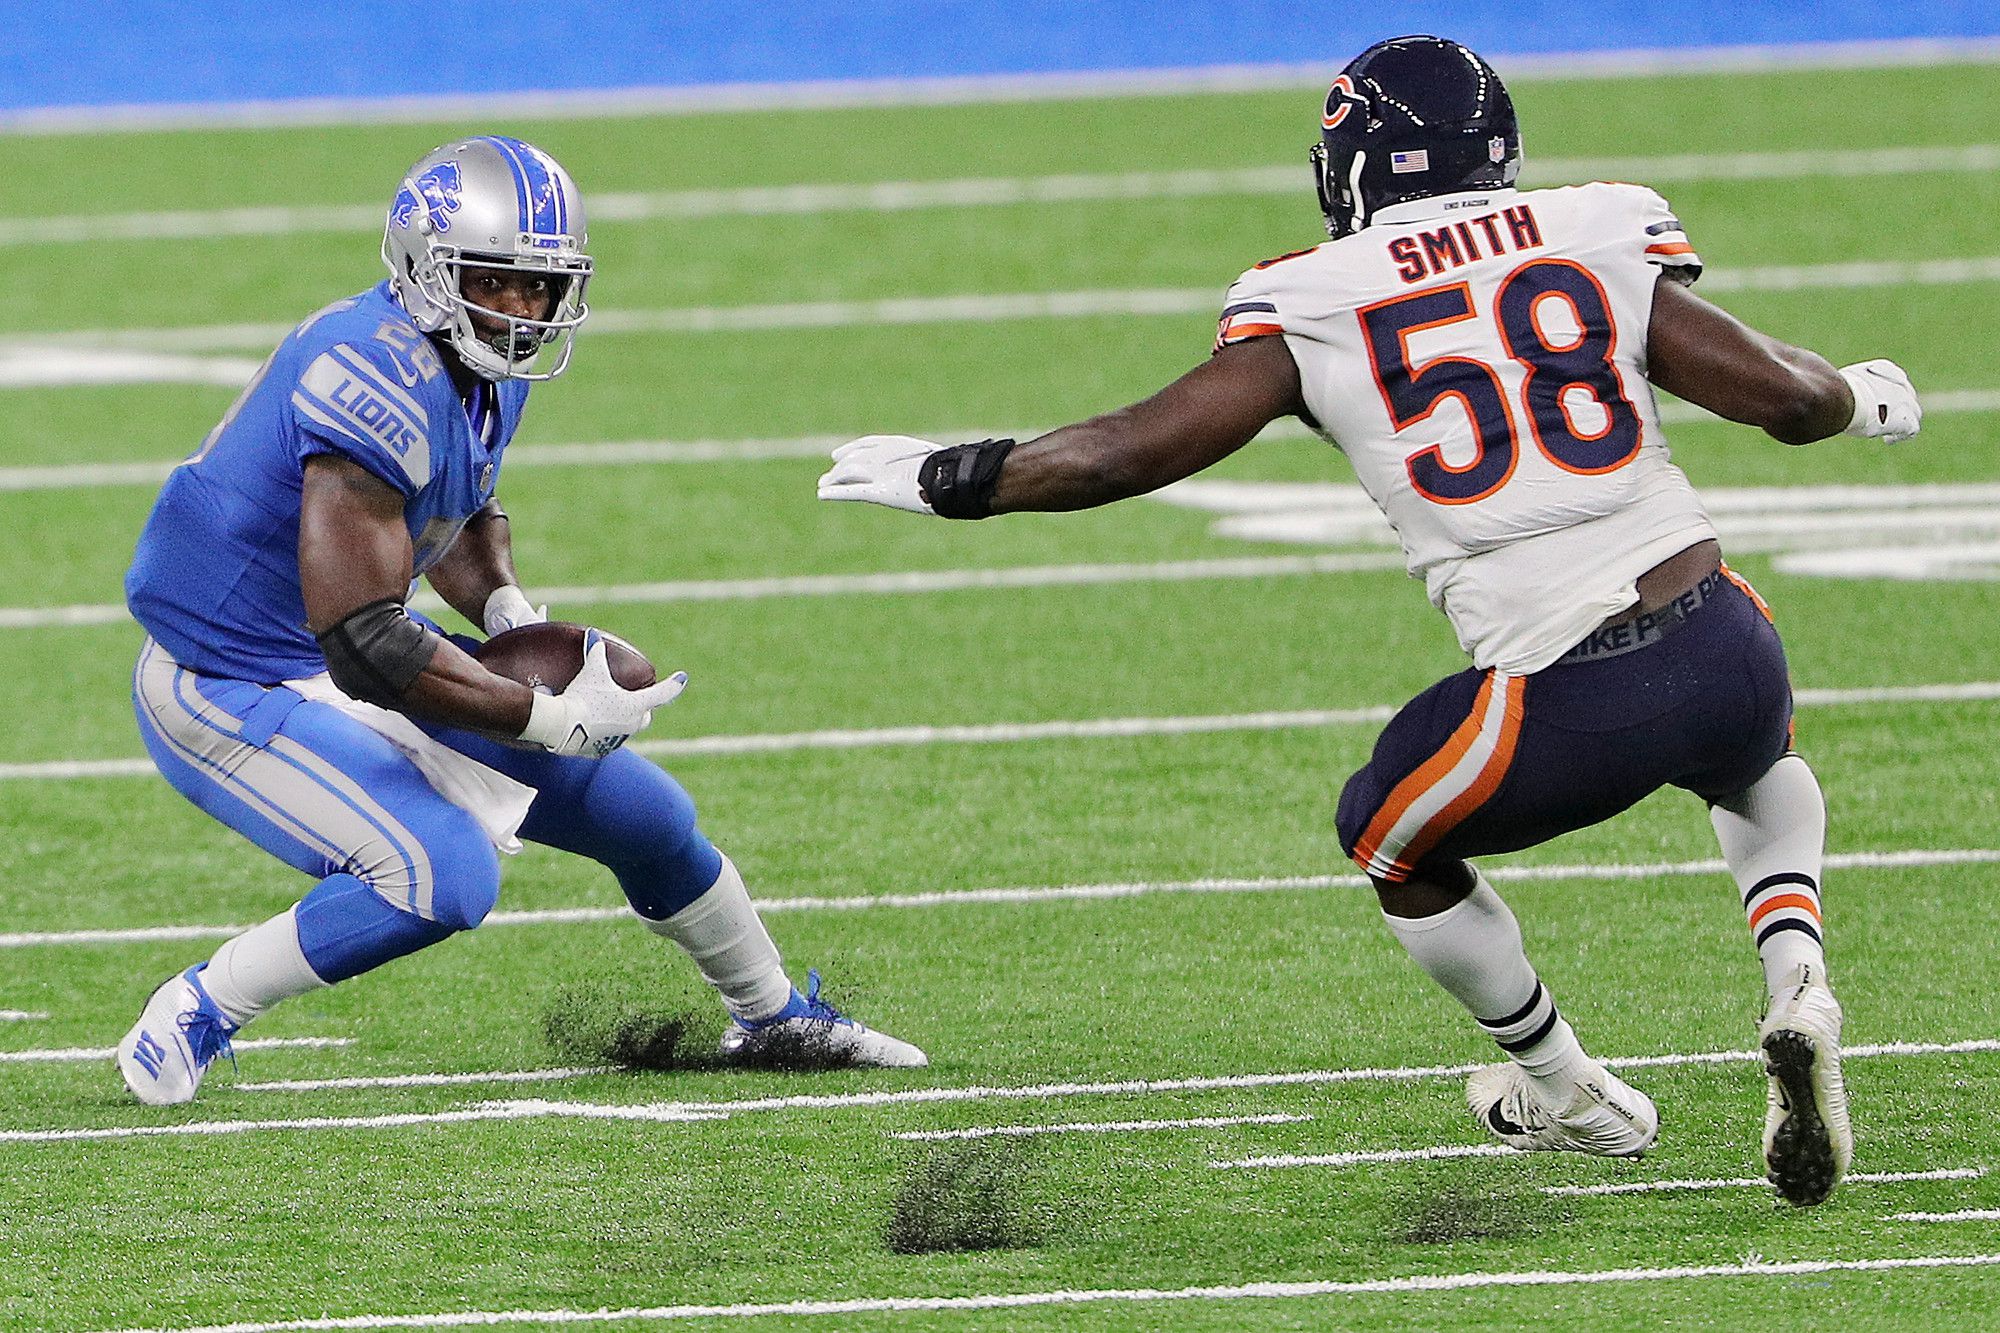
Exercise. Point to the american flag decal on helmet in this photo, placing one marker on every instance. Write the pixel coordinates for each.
(1418, 159)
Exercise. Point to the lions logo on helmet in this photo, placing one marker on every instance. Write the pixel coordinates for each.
(1409, 118)
(436, 191)
(489, 202)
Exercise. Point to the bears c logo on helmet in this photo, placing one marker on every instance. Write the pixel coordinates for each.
(1340, 99)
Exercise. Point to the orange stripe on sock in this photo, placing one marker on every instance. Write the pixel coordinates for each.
(1770, 905)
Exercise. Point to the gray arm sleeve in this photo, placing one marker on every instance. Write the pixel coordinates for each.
(376, 652)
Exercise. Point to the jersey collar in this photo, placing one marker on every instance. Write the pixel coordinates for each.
(1441, 205)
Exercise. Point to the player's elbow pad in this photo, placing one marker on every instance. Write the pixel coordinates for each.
(376, 651)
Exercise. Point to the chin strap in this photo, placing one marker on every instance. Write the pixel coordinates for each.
(1359, 219)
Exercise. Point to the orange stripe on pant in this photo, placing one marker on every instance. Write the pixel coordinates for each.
(1482, 787)
(1748, 591)
(1437, 769)
(1792, 727)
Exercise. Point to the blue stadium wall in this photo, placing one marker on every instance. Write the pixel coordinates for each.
(147, 52)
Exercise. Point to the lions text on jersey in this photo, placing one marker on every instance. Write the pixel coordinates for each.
(216, 577)
(1480, 358)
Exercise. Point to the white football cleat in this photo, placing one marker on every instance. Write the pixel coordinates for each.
(1605, 1115)
(179, 1034)
(810, 1034)
(1807, 1139)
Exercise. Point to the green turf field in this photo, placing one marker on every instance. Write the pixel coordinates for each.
(1191, 971)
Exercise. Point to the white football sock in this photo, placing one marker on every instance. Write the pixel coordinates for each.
(1473, 949)
(258, 968)
(722, 932)
(1774, 837)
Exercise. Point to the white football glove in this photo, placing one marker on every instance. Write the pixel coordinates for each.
(507, 608)
(595, 715)
(881, 469)
(1885, 402)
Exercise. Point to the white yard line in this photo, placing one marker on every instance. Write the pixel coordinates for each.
(676, 1111)
(844, 585)
(1911, 859)
(205, 1128)
(1257, 1291)
(21, 1015)
(1752, 1182)
(979, 308)
(1443, 1152)
(1000, 733)
(1963, 1215)
(647, 453)
(985, 192)
(86, 1053)
(1097, 1127)
(428, 1080)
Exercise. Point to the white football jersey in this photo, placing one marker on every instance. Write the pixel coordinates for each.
(1481, 360)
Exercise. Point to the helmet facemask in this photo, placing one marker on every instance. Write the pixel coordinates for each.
(1338, 178)
(513, 349)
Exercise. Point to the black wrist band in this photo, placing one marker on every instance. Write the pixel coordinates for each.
(958, 482)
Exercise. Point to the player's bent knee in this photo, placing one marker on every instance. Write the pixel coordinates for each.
(1436, 885)
(465, 892)
(637, 806)
(1359, 800)
(449, 874)
(642, 820)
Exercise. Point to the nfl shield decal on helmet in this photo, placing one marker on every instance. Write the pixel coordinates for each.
(1496, 149)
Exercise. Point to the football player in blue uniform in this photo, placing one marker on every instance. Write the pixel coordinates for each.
(286, 689)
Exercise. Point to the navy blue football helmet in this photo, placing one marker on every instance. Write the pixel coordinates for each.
(1409, 118)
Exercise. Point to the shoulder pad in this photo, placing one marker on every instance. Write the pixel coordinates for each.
(1250, 310)
(1279, 259)
(1664, 241)
(359, 400)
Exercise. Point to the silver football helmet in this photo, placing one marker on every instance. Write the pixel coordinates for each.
(489, 202)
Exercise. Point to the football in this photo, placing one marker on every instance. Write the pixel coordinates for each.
(548, 656)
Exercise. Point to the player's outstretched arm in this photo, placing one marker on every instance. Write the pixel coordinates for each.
(1198, 420)
(1700, 352)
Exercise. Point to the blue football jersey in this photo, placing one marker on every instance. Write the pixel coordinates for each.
(216, 576)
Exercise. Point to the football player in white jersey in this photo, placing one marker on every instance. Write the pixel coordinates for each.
(1482, 355)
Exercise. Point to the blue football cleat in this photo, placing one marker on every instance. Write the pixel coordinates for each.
(809, 1033)
(179, 1034)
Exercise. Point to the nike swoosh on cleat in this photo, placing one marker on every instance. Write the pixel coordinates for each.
(1500, 1123)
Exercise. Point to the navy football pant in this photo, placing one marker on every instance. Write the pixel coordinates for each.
(1483, 762)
